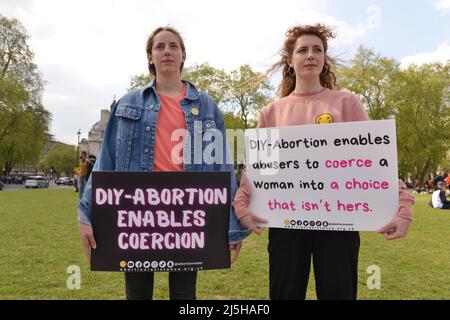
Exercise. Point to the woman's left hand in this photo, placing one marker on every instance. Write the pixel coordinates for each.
(236, 247)
(397, 228)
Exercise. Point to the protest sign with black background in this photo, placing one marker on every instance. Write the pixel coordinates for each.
(160, 221)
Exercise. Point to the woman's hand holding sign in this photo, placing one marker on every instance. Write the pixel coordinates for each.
(242, 203)
(236, 247)
(397, 228)
(250, 221)
(87, 237)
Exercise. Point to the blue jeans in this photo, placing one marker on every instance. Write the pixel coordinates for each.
(81, 186)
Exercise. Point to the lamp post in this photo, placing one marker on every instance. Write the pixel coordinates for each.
(78, 145)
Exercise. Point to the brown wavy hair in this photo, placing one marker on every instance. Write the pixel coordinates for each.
(151, 38)
(327, 76)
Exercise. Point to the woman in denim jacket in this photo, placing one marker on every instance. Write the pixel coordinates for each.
(138, 138)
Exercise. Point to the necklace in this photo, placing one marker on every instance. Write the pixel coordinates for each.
(306, 94)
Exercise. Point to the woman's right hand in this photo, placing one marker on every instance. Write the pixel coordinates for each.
(87, 238)
(241, 204)
(250, 220)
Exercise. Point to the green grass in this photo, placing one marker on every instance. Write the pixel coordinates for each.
(39, 239)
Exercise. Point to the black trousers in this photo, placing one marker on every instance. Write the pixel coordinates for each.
(335, 262)
(139, 285)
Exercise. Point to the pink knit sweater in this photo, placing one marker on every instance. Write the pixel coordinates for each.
(327, 106)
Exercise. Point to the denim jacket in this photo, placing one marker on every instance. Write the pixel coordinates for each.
(129, 142)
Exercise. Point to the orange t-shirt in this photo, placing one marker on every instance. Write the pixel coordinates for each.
(171, 117)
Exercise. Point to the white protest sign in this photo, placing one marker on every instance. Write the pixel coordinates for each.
(340, 176)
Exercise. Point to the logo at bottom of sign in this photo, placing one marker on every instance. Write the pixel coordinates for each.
(316, 225)
(159, 266)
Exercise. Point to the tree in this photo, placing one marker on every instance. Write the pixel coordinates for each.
(421, 100)
(247, 92)
(24, 121)
(417, 97)
(25, 145)
(12, 96)
(232, 121)
(369, 76)
(62, 158)
(139, 81)
(242, 91)
(235, 137)
(16, 61)
(206, 78)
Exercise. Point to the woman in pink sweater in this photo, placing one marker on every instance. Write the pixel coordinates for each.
(308, 95)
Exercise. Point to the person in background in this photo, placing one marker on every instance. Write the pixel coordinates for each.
(439, 198)
(82, 178)
(91, 162)
(447, 180)
(439, 177)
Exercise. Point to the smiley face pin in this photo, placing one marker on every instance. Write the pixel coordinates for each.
(195, 111)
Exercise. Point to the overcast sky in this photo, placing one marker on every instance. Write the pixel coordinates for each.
(88, 50)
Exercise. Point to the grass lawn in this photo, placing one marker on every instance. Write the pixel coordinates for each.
(39, 240)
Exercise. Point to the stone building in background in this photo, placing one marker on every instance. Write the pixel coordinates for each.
(95, 137)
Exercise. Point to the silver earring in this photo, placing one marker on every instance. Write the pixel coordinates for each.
(289, 72)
